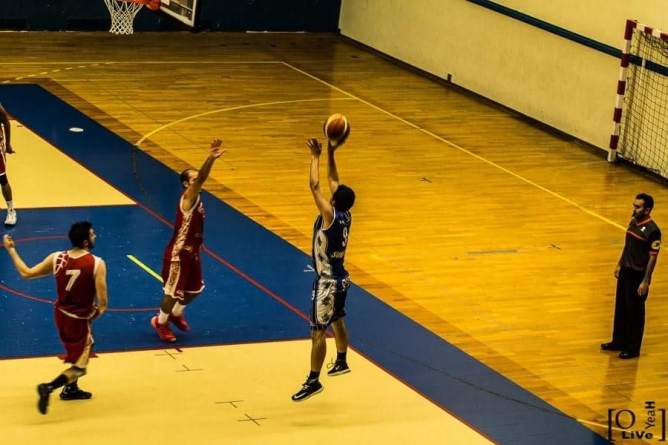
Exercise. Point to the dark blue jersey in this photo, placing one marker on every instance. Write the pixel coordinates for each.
(329, 246)
(643, 239)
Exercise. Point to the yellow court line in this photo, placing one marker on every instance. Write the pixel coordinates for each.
(145, 267)
(587, 422)
(480, 158)
(241, 107)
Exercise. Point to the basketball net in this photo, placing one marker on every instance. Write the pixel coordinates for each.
(123, 14)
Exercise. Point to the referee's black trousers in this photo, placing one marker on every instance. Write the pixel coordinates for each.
(629, 323)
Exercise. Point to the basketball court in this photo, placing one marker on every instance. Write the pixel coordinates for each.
(434, 359)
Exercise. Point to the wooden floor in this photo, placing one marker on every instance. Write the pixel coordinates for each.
(492, 233)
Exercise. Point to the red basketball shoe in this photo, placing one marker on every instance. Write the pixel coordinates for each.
(163, 330)
(180, 322)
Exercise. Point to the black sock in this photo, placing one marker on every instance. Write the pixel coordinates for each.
(71, 387)
(341, 356)
(58, 382)
(314, 375)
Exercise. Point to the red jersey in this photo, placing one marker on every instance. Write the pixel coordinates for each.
(75, 283)
(188, 232)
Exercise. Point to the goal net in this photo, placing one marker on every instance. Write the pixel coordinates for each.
(640, 132)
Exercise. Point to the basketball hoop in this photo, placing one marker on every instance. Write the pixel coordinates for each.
(123, 14)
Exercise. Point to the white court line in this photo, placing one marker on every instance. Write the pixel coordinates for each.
(470, 153)
(222, 110)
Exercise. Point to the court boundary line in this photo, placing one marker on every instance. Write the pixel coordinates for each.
(463, 150)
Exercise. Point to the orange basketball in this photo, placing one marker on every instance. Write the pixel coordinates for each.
(153, 5)
(336, 127)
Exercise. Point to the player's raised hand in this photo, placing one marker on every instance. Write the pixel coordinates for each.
(8, 242)
(216, 149)
(315, 146)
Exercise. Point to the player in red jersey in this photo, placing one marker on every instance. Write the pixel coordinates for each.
(81, 278)
(181, 266)
(6, 147)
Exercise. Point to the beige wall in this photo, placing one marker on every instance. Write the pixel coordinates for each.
(549, 78)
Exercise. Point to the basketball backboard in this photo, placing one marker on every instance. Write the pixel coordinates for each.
(181, 10)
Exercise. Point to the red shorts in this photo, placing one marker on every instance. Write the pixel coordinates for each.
(77, 337)
(183, 276)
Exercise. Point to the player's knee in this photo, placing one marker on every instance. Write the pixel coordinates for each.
(3, 179)
(189, 297)
(318, 332)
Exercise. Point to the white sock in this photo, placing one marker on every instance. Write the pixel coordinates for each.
(163, 317)
(10, 205)
(177, 310)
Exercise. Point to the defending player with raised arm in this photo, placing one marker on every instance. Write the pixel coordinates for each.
(181, 265)
(81, 279)
(330, 287)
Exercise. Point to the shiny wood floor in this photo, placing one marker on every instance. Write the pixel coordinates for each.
(492, 233)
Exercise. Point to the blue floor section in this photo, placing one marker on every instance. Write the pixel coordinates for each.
(257, 286)
(227, 312)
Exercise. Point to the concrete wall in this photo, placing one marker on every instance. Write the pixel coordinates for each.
(559, 82)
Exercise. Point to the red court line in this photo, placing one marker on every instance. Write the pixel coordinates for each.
(44, 300)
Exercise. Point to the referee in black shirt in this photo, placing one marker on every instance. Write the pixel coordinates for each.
(634, 275)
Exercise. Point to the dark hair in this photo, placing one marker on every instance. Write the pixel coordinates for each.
(80, 232)
(344, 198)
(647, 199)
(185, 176)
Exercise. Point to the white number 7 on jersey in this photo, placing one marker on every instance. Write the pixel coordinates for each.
(74, 275)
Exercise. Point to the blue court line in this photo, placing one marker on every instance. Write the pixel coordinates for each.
(481, 397)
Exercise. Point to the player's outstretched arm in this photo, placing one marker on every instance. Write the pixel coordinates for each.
(39, 270)
(195, 188)
(321, 201)
(332, 171)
